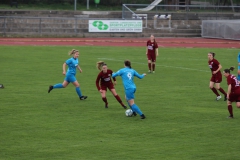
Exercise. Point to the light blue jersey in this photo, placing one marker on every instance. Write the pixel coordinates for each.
(72, 64)
(127, 75)
(238, 60)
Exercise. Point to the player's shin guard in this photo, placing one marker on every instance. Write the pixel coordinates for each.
(215, 91)
(153, 67)
(149, 66)
(230, 110)
(119, 99)
(222, 91)
(135, 108)
(79, 91)
(59, 85)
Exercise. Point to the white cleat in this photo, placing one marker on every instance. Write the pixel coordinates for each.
(149, 71)
(218, 97)
(153, 71)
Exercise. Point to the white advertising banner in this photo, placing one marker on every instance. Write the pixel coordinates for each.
(115, 26)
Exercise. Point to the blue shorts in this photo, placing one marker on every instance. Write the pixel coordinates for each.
(130, 93)
(70, 78)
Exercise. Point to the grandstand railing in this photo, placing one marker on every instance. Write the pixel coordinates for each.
(129, 9)
(46, 25)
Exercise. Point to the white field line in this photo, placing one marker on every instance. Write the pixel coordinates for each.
(115, 60)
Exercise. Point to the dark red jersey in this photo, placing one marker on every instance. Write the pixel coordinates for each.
(104, 78)
(231, 79)
(151, 47)
(214, 65)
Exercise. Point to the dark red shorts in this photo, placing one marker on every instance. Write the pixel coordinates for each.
(151, 57)
(216, 78)
(234, 96)
(109, 86)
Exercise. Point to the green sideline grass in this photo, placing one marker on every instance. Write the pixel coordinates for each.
(183, 119)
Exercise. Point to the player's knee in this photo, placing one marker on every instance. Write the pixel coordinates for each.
(211, 87)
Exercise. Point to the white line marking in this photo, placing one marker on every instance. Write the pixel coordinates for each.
(110, 59)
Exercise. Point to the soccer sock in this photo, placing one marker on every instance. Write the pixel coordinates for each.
(119, 100)
(149, 66)
(135, 108)
(222, 91)
(230, 110)
(105, 100)
(153, 67)
(238, 77)
(215, 91)
(59, 85)
(79, 91)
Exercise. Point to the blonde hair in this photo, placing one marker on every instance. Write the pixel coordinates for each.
(100, 64)
(72, 52)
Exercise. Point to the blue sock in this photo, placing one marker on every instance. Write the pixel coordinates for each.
(135, 108)
(79, 91)
(59, 85)
(238, 77)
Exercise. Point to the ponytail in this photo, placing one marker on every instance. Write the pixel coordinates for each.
(127, 63)
(213, 54)
(100, 64)
(228, 70)
(72, 52)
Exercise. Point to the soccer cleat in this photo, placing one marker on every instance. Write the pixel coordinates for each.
(149, 71)
(125, 107)
(225, 98)
(134, 114)
(153, 72)
(50, 88)
(83, 97)
(106, 105)
(143, 116)
(218, 97)
(230, 117)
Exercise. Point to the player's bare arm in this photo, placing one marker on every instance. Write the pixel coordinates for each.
(64, 68)
(156, 51)
(80, 70)
(219, 67)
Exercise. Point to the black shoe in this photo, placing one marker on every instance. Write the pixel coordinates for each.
(134, 114)
(50, 88)
(83, 97)
(225, 98)
(125, 107)
(106, 105)
(143, 116)
(230, 117)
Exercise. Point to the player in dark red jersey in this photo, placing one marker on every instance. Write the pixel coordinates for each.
(233, 93)
(151, 52)
(216, 78)
(104, 77)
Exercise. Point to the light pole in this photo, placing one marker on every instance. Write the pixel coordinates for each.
(87, 4)
(75, 5)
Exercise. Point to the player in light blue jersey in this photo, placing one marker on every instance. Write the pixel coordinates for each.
(72, 64)
(127, 75)
(238, 77)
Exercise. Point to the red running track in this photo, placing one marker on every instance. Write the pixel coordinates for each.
(162, 42)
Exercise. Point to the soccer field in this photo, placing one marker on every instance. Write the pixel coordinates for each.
(184, 121)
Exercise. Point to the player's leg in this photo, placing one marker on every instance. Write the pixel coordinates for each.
(78, 90)
(230, 109)
(211, 86)
(117, 97)
(153, 62)
(221, 90)
(104, 97)
(59, 85)
(149, 63)
(130, 98)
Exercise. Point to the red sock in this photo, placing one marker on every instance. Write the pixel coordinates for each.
(222, 91)
(105, 100)
(215, 91)
(119, 100)
(230, 110)
(153, 67)
(149, 66)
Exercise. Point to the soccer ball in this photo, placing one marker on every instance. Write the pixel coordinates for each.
(128, 112)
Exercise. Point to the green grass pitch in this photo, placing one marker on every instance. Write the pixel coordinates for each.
(184, 122)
